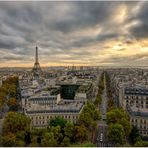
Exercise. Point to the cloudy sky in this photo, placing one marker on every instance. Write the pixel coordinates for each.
(80, 33)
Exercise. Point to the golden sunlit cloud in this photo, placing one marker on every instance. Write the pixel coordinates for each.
(121, 14)
(67, 33)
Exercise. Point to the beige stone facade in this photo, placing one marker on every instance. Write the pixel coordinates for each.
(141, 123)
(42, 120)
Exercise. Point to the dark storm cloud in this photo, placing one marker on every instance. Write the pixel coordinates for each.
(85, 41)
(141, 29)
(84, 14)
(53, 25)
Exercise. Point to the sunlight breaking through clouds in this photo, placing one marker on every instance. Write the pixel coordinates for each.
(80, 33)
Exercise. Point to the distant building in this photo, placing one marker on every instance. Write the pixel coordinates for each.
(60, 93)
(41, 114)
(135, 101)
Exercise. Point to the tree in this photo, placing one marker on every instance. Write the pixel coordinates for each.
(80, 133)
(2, 99)
(97, 115)
(27, 138)
(116, 133)
(126, 125)
(94, 129)
(85, 119)
(145, 143)
(119, 116)
(34, 142)
(139, 143)
(134, 135)
(15, 122)
(88, 115)
(58, 121)
(20, 136)
(84, 144)
(13, 104)
(98, 100)
(9, 140)
(87, 144)
(48, 140)
(36, 136)
(65, 142)
(88, 118)
(69, 129)
(57, 133)
(110, 104)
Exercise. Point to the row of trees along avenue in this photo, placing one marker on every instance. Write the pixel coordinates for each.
(98, 99)
(17, 130)
(8, 94)
(120, 131)
(117, 119)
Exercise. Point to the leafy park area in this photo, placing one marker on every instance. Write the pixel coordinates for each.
(18, 131)
(8, 94)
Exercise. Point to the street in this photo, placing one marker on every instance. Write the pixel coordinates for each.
(102, 130)
(103, 107)
(102, 140)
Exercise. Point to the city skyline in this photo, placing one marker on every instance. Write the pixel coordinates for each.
(80, 33)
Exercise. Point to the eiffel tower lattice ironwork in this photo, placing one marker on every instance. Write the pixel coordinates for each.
(36, 69)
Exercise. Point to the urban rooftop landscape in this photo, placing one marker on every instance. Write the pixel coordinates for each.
(73, 74)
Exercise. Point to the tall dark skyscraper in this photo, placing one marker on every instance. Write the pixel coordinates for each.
(36, 69)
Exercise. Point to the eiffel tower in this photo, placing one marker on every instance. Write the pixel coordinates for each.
(36, 69)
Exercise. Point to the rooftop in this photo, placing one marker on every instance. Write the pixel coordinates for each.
(72, 107)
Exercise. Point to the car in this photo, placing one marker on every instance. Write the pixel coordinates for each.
(101, 137)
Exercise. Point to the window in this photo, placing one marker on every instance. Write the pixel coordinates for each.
(144, 132)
